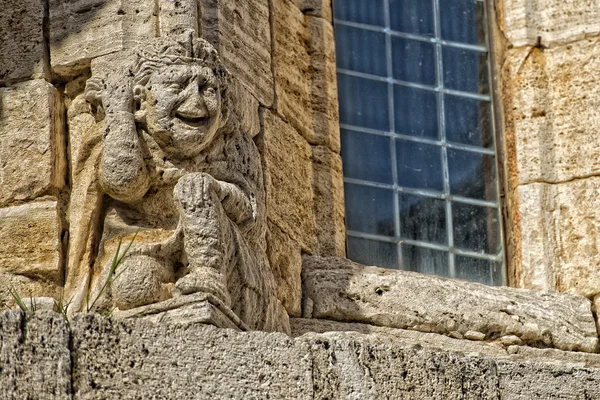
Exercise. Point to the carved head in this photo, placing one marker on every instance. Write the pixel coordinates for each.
(182, 94)
(179, 92)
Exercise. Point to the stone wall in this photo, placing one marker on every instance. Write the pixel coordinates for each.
(43, 357)
(281, 55)
(548, 61)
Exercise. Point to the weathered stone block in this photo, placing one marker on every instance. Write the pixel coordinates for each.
(552, 111)
(288, 181)
(559, 227)
(305, 74)
(30, 241)
(328, 186)
(292, 66)
(22, 52)
(32, 154)
(554, 21)
(35, 356)
(286, 262)
(240, 31)
(246, 107)
(83, 29)
(318, 8)
(339, 289)
(324, 90)
(178, 17)
(138, 359)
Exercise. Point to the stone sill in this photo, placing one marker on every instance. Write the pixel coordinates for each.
(340, 290)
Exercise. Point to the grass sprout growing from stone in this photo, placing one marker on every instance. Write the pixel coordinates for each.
(117, 260)
(61, 307)
(18, 299)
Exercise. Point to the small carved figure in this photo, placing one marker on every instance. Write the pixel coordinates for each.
(176, 168)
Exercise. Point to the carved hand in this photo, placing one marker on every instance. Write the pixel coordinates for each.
(193, 191)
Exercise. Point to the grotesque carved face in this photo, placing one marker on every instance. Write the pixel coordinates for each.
(183, 105)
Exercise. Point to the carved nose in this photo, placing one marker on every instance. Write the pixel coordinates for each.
(193, 107)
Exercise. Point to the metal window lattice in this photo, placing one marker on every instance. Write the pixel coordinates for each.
(458, 256)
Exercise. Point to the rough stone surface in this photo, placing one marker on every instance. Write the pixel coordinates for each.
(288, 180)
(339, 289)
(34, 356)
(138, 359)
(32, 154)
(22, 52)
(555, 21)
(324, 91)
(559, 225)
(319, 8)
(286, 261)
(246, 108)
(31, 243)
(178, 17)
(292, 66)
(240, 31)
(83, 29)
(131, 359)
(552, 111)
(328, 186)
(305, 74)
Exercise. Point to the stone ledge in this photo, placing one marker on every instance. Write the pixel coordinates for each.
(339, 289)
(105, 358)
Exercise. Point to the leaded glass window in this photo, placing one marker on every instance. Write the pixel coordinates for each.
(418, 142)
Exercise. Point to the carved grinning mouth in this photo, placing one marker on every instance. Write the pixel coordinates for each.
(192, 120)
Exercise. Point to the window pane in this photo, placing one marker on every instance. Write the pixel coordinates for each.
(422, 219)
(373, 252)
(360, 50)
(366, 157)
(468, 121)
(472, 175)
(476, 228)
(415, 112)
(419, 165)
(363, 102)
(412, 16)
(369, 210)
(465, 70)
(366, 12)
(413, 61)
(462, 21)
(479, 270)
(427, 261)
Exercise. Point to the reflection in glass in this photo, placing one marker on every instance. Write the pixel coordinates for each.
(468, 121)
(366, 157)
(422, 219)
(373, 252)
(369, 210)
(365, 12)
(363, 102)
(479, 270)
(424, 260)
(413, 61)
(465, 70)
(462, 21)
(419, 165)
(472, 175)
(415, 112)
(360, 50)
(476, 228)
(412, 16)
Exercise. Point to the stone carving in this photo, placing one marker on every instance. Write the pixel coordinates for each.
(166, 159)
